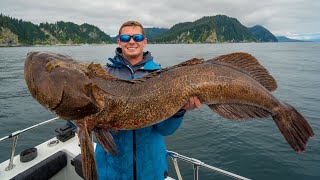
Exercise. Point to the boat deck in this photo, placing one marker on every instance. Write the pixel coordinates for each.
(70, 147)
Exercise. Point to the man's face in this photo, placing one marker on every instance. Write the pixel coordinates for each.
(132, 51)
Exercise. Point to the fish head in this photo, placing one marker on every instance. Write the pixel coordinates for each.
(60, 84)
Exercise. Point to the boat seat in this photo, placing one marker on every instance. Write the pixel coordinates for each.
(45, 169)
(77, 162)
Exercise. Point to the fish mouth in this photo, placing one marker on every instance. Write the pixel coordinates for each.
(36, 75)
(58, 86)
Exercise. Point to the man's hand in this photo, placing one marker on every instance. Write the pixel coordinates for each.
(192, 103)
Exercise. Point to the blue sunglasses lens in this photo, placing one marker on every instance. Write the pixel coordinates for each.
(136, 38)
(125, 38)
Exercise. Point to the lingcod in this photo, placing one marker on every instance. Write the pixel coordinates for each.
(235, 86)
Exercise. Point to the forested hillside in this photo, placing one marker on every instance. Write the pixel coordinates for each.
(14, 32)
(209, 29)
(262, 34)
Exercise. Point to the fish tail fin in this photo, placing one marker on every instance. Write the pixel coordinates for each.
(294, 127)
(87, 151)
(105, 139)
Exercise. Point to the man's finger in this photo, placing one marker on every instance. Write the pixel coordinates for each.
(191, 101)
(197, 102)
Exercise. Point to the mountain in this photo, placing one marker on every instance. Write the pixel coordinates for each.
(154, 32)
(211, 29)
(285, 39)
(14, 32)
(71, 33)
(262, 34)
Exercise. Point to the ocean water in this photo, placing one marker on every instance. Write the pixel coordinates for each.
(254, 149)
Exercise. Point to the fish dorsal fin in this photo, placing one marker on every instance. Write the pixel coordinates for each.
(189, 62)
(97, 70)
(239, 111)
(249, 64)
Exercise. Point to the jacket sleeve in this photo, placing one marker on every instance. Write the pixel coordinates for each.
(170, 125)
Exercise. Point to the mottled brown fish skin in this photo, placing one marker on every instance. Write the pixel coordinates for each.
(160, 97)
(235, 86)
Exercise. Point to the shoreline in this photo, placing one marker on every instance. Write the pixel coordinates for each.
(50, 45)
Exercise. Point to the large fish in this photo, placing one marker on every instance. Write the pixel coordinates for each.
(234, 86)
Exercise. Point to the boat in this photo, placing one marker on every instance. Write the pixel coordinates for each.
(59, 158)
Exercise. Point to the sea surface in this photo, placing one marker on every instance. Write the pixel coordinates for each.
(254, 149)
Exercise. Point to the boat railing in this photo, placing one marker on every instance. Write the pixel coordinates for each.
(196, 165)
(174, 156)
(15, 136)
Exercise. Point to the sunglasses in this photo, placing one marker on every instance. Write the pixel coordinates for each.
(127, 38)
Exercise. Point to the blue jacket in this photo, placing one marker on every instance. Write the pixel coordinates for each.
(145, 144)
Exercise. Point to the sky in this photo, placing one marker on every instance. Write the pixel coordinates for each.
(297, 19)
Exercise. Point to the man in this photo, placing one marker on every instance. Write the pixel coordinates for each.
(141, 152)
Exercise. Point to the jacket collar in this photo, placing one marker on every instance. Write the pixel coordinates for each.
(147, 62)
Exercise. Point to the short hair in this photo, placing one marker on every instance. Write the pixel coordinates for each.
(132, 23)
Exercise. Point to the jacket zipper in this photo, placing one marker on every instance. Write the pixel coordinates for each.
(132, 71)
(134, 145)
(134, 155)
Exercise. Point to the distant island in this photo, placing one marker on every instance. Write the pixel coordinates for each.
(285, 39)
(208, 29)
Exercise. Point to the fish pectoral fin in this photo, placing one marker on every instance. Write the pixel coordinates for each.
(239, 111)
(105, 139)
(87, 153)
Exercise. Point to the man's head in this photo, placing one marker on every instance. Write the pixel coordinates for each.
(131, 42)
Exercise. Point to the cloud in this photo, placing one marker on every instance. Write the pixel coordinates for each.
(278, 16)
